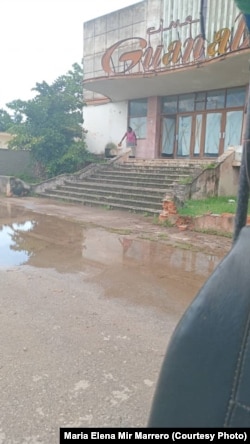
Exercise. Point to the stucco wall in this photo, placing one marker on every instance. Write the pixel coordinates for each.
(229, 176)
(15, 162)
(106, 123)
(104, 31)
(5, 139)
(206, 184)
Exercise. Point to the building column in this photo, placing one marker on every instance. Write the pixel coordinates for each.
(149, 148)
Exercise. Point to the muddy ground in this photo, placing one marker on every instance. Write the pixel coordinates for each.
(86, 315)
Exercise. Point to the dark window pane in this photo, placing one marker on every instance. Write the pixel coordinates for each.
(216, 99)
(200, 101)
(169, 104)
(138, 108)
(186, 103)
(236, 97)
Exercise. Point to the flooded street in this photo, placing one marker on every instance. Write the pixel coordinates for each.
(89, 300)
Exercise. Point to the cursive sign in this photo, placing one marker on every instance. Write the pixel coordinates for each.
(178, 53)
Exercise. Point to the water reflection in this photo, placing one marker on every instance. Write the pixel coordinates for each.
(52, 242)
(12, 250)
(111, 249)
(141, 271)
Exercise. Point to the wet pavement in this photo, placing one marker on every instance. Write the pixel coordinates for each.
(89, 300)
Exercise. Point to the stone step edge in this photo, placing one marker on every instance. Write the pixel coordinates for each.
(125, 187)
(106, 194)
(95, 203)
(124, 182)
(141, 173)
(105, 200)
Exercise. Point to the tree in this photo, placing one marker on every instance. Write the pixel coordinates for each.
(50, 124)
(5, 121)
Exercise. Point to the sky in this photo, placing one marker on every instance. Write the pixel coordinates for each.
(41, 39)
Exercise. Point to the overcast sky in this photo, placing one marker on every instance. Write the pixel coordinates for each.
(41, 39)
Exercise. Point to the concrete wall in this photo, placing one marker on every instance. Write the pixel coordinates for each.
(106, 123)
(104, 31)
(229, 175)
(206, 184)
(15, 162)
(12, 186)
(147, 148)
(4, 184)
(5, 139)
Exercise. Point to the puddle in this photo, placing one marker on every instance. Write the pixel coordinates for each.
(12, 252)
(125, 266)
(48, 241)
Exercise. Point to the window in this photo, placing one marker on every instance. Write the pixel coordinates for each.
(236, 97)
(186, 103)
(170, 105)
(202, 124)
(138, 117)
(216, 99)
(200, 101)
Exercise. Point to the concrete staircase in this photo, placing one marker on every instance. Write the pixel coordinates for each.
(134, 185)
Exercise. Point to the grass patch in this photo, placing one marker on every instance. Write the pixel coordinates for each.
(186, 180)
(186, 246)
(167, 223)
(163, 236)
(215, 233)
(210, 166)
(147, 237)
(214, 205)
(122, 231)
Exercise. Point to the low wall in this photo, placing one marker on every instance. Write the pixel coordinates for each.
(15, 162)
(206, 184)
(4, 184)
(229, 175)
(59, 180)
(12, 186)
(79, 175)
(221, 223)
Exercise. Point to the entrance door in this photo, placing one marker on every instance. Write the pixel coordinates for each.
(198, 133)
(168, 136)
(184, 135)
(214, 134)
(233, 128)
(201, 134)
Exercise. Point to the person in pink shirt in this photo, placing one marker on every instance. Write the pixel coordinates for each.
(131, 140)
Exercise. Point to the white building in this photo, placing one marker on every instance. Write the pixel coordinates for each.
(149, 67)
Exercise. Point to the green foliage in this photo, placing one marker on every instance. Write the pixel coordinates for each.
(50, 124)
(5, 121)
(214, 205)
(27, 178)
(185, 180)
(243, 5)
(210, 166)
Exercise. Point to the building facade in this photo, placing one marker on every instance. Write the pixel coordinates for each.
(176, 71)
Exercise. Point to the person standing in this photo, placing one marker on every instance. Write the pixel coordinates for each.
(131, 140)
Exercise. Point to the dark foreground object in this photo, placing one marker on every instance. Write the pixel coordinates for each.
(205, 377)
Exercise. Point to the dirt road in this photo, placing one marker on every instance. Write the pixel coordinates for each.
(85, 321)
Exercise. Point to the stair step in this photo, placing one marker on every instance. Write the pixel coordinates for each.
(135, 185)
(107, 199)
(111, 186)
(141, 175)
(153, 184)
(110, 192)
(157, 169)
(90, 202)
